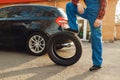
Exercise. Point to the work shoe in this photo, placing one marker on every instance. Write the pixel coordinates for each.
(93, 68)
(68, 29)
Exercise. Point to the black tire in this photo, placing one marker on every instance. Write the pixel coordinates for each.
(52, 49)
(41, 45)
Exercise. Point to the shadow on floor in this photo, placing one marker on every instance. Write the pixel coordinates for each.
(39, 73)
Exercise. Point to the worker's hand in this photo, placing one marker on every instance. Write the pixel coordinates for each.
(97, 23)
(80, 8)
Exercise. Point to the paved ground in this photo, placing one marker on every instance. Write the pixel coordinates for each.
(16, 65)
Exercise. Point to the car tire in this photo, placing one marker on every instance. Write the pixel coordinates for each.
(60, 60)
(36, 44)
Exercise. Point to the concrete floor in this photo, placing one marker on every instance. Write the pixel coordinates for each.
(17, 65)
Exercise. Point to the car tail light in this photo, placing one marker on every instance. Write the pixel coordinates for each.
(62, 22)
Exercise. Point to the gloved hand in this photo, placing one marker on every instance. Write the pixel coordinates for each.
(75, 2)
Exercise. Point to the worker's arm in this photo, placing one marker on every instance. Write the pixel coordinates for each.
(101, 13)
(103, 4)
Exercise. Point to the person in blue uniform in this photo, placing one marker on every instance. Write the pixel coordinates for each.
(94, 13)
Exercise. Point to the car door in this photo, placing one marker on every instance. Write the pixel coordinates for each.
(11, 25)
(21, 19)
(17, 23)
(4, 25)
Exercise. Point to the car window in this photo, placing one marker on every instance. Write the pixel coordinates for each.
(29, 11)
(21, 12)
(26, 12)
(38, 12)
(49, 13)
(4, 12)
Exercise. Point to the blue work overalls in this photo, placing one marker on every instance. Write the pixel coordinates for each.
(90, 13)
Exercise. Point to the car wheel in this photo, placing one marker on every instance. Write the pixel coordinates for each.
(36, 44)
(67, 55)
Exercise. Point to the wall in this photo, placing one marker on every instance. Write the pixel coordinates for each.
(117, 37)
(109, 21)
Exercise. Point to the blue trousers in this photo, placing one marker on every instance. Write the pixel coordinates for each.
(96, 35)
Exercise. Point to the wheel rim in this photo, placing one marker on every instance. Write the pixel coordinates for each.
(37, 44)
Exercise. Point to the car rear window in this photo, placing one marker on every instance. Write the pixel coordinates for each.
(27, 11)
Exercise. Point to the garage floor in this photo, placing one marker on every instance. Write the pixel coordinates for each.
(17, 65)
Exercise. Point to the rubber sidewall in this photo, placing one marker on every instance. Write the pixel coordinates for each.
(59, 60)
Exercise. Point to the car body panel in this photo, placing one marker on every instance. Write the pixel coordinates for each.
(18, 20)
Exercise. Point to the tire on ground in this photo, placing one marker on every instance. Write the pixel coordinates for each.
(60, 60)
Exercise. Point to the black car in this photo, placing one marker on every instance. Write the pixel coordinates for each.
(29, 25)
